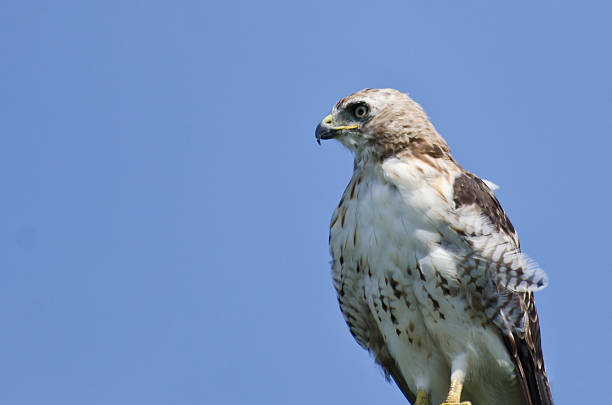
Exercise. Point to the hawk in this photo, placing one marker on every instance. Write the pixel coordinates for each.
(427, 267)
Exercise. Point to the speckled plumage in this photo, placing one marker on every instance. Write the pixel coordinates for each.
(426, 264)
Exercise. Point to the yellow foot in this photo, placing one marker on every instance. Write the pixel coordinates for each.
(454, 393)
(422, 398)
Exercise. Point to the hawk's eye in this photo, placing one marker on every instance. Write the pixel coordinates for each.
(360, 111)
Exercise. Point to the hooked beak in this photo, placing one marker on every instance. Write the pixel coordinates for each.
(325, 129)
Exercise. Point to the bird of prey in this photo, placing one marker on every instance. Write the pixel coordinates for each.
(427, 267)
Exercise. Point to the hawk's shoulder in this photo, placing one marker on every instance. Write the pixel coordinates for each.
(469, 189)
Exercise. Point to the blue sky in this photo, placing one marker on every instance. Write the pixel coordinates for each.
(165, 207)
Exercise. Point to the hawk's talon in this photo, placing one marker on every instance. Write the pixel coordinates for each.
(454, 391)
(422, 398)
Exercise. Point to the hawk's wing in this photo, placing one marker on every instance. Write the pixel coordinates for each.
(509, 279)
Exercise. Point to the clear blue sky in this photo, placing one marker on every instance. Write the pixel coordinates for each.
(165, 207)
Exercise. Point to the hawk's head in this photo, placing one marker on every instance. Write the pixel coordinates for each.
(382, 122)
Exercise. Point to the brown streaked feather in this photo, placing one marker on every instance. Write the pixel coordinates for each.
(365, 330)
(526, 352)
(469, 189)
(362, 325)
(524, 347)
(388, 364)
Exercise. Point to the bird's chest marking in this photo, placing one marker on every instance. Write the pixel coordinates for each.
(390, 252)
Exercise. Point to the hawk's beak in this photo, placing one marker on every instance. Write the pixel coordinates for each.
(325, 129)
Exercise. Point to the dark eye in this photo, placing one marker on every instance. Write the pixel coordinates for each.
(360, 111)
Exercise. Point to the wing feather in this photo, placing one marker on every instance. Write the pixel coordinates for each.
(496, 253)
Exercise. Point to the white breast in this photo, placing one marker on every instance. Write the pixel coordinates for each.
(389, 223)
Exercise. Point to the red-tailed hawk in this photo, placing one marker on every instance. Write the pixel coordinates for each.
(426, 264)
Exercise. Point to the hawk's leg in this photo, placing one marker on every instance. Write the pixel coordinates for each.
(456, 384)
(422, 398)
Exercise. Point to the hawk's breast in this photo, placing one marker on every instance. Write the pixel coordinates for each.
(394, 271)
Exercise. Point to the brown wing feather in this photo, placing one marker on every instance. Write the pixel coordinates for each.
(526, 352)
(523, 344)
